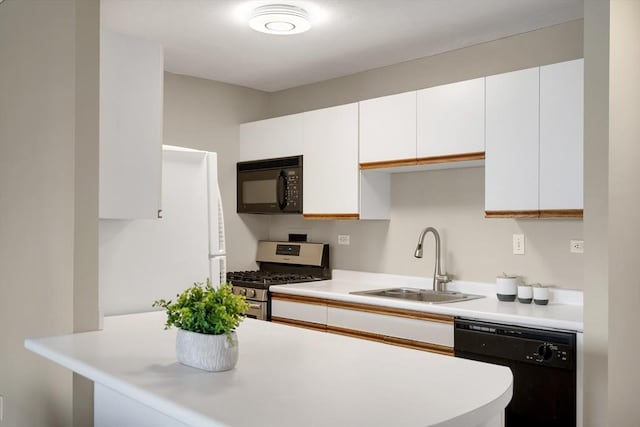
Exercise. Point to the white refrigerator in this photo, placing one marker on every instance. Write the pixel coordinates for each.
(144, 260)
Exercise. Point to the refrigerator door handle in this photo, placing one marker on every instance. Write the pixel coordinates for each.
(221, 236)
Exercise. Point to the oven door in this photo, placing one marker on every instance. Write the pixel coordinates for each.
(270, 186)
(257, 310)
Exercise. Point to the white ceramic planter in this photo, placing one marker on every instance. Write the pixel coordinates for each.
(209, 352)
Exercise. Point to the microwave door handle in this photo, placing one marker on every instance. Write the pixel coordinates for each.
(282, 190)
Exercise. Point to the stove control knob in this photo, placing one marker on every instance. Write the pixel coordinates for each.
(242, 291)
(545, 351)
(251, 293)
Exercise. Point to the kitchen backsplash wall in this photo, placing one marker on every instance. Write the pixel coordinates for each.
(473, 248)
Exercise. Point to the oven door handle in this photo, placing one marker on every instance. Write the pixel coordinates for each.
(255, 306)
(282, 190)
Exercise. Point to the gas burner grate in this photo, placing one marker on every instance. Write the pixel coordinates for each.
(265, 278)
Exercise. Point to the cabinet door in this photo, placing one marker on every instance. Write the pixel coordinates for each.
(451, 119)
(425, 331)
(330, 166)
(131, 90)
(511, 165)
(271, 138)
(388, 128)
(561, 135)
(290, 310)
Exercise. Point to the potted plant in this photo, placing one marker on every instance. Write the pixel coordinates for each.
(206, 319)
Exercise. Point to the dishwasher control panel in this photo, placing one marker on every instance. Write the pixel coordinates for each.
(536, 346)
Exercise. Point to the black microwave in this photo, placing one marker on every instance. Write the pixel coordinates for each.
(270, 186)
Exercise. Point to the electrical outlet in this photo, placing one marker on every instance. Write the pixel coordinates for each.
(518, 244)
(576, 246)
(343, 239)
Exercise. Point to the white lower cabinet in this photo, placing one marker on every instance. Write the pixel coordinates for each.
(425, 331)
(303, 312)
(407, 328)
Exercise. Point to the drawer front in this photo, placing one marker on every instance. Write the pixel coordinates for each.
(313, 313)
(439, 333)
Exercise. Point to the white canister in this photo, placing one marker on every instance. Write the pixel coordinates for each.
(541, 295)
(507, 287)
(525, 294)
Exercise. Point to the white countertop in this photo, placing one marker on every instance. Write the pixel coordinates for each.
(285, 376)
(564, 311)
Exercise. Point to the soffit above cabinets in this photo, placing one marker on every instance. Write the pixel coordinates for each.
(211, 38)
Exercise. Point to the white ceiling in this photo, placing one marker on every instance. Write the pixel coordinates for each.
(211, 38)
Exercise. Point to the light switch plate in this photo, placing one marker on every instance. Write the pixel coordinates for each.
(344, 239)
(518, 244)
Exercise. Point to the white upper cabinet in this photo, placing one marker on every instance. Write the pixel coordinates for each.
(388, 128)
(330, 168)
(511, 165)
(131, 108)
(271, 138)
(451, 119)
(561, 135)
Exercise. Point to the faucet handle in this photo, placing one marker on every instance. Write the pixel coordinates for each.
(439, 281)
(443, 278)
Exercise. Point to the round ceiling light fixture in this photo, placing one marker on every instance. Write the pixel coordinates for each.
(281, 19)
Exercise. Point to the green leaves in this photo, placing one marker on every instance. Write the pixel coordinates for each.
(205, 309)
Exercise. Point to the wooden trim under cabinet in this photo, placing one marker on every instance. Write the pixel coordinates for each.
(450, 158)
(402, 342)
(388, 164)
(347, 216)
(390, 311)
(300, 324)
(464, 157)
(512, 214)
(376, 309)
(561, 213)
(547, 213)
(299, 299)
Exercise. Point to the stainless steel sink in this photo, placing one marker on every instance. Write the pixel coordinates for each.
(422, 295)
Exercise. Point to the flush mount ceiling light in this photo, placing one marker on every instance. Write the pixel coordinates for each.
(281, 19)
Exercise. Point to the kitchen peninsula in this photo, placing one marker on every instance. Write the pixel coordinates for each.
(285, 376)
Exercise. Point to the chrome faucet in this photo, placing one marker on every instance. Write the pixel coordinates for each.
(439, 279)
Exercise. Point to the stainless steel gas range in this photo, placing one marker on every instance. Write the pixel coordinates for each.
(280, 263)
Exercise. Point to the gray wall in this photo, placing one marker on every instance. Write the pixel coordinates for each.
(596, 153)
(86, 165)
(546, 46)
(473, 248)
(37, 201)
(624, 204)
(476, 249)
(205, 115)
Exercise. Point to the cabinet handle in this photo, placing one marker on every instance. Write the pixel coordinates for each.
(159, 213)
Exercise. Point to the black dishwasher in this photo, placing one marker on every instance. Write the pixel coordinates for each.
(543, 364)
